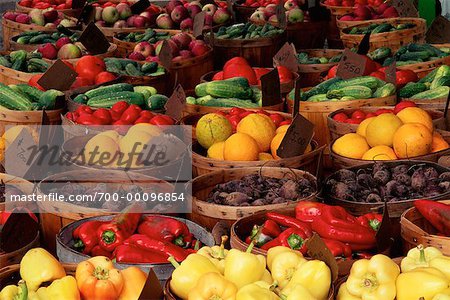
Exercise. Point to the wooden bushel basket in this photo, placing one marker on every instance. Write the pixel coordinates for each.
(312, 74)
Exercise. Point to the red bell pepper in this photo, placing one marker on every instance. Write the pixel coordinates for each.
(273, 243)
(291, 222)
(147, 243)
(85, 236)
(438, 214)
(258, 237)
(294, 238)
(371, 220)
(308, 211)
(133, 254)
(338, 249)
(112, 234)
(99, 251)
(166, 229)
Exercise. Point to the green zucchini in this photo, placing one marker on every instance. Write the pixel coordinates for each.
(356, 91)
(118, 87)
(437, 93)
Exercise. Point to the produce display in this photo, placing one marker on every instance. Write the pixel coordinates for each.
(24, 97)
(40, 4)
(181, 14)
(119, 15)
(49, 18)
(22, 61)
(182, 45)
(434, 212)
(242, 135)
(132, 68)
(268, 13)
(378, 28)
(149, 35)
(43, 37)
(364, 12)
(385, 182)
(435, 85)
(344, 234)
(247, 31)
(304, 59)
(353, 3)
(259, 190)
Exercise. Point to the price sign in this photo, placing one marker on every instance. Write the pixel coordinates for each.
(270, 86)
(297, 99)
(94, 40)
(230, 7)
(78, 4)
(86, 15)
(390, 72)
(384, 236)
(281, 15)
(297, 137)
(318, 250)
(176, 102)
(18, 155)
(165, 55)
(286, 57)
(405, 8)
(139, 6)
(59, 77)
(351, 65)
(199, 24)
(152, 288)
(439, 31)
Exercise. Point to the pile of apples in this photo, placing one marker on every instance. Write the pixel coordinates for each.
(62, 49)
(43, 4)
(121, 16)
(181, 15)
(48, 17)
(268, 13)
(182, 45)
(352, 3)
(366, 12)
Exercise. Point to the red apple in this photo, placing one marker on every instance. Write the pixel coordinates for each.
(62, 41)
(193, 9)
(172, 4)
(164, 21)
(200, 49)
(402, 105)
(10, 16)
(145, 48)
(185, 54)
(182, 40)
(187, 24)
(23, 19)
(136, 56)
(178, 14)
(141, 22)
(48, 51)
(50, 16)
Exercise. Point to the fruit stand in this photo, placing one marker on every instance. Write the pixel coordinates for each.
(224, 150)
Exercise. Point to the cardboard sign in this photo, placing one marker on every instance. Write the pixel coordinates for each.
(18, 154)
(78, 3)
(174, 106)
(199, 24)
(230, 8)
(405, 8)
(351, 65)
(18, 231)
(297, 91)
(165, 55)
(94, 40)
(297, 137)
(287, 57)
(281, 15)
(270, 86)
(139, 6)
(439, 31)
(59, 77)
(318, 250)
(384, 235)
(364, 45)
(86, 15)
(152, 288)
(390, 72)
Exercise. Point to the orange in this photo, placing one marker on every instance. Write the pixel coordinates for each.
(438, 143)
(240, 147)
(282, 128)
(260, 127)
(416, 115)
(216, 150)
(381, 130)
(363, 126)
(380, 153)
(351, 145)
(412, 139)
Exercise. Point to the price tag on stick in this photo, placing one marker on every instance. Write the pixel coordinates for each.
(281, 15)
(384, 235)
(364, 45)
(94, 40)
(165, 55)
(318, 250)
(205, 2)
(199, 24)
(297, 99)
(446, 107)
(59, 77)
(351, 65)
(230, 7)
(390, 71)
(78, 4)
(286, 57)
(18, 155)
(86, 15)
(152, 288)
(175, 104)
(270, 86)
(139, 6)
(439, 31)
(405, 8)
(297, 137)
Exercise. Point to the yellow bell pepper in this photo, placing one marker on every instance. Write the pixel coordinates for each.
(284, 266)
(275, 251)
(15, 292)
(419, 257)
(258, 290)
(213, 286)
(65, 288)
(442, 263)
(38, 266)
(216, 254)
(421, 282)
(243, 268)
(444, 295)
(33, 296)
(315, 276)
(343, 293)
(133, 283)
(373, 279)
(267, 277)
(186, 275)
(297, 292)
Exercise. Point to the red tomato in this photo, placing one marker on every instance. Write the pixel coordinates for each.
(277, 119)
(332, 72)
(353, 121)
(69, 116)
(378, 74)
(358, 114)
(234, 120)
(69, 64)
(80, 82)
(146, 114)
(285, 74)
(285, 122)
(218, 76)
(33, 81)
(104, 77)
(383, 111)
(236, 111)
(260, 72)
(104, 115)
(246, 113)
(231, 70)
(84, 109)
(405, 76)
(87, 119)
(120, 106)
(141, 120)
(162, 120)
(115, 115)
(402, 105)
(238, 60)
(263, 112)
(131, 113)
(89, 66)
(221, 112)
(340, 117)
(370, 115)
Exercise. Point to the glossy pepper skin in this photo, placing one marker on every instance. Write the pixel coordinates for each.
(284, 265)
(373, 279)
(186, 275)
(64, 288)
(421, 282)
(419, 257)
(438, 214)
(85, 236)
(371, 220)
(133, 283)
(296, 292)
(243, 268)
(166, 229)
(343, 293)
(272, 253)
(97, 278)
(258, 290)
(338, 249)
(294, 238)
(15, 292)
(133, 254)
(308, 211)
(99, 251)
(38, 266)
(290, 222)
(216, 254)
(213, 286)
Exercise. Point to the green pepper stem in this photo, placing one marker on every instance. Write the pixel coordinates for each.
(224, 239)
(422, 257)
(108, 236)
(23, 291)
(197, 245)
(250, 247)
(174, 263)
(78, 245)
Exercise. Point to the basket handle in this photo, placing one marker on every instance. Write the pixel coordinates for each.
(8, 270)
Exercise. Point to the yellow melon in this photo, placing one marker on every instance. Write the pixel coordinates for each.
(216, 151)
(265, 156)
(240, 147)
(416, 115)
(260, 127)
(380, 153)
(212, 128)
(361, 130)
(101, 150)
(381, 130)
(412, 139)
(282, 128)
(351, 145)
(439, 143)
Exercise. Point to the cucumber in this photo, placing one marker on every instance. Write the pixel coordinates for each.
(231, 102)
(118, 87)
(382, 28)
(200, 89)
(48, 99)
(31, 92)
(13, 100)
(321, 88)
(356, 91)
(380, 54)
(423, 55)
(367, 81)
(228, 89)
(440, 81)
(412, 89)
(318, 98)
(131, 70)
(81, 98)
(107, 100)
(40, 38)
(385, 91)
(157, 102)
(149, 67)
(437, 93)
(23, 40)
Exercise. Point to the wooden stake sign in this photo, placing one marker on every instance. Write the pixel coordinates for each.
(205, 2)
(18, 231)
(270, 86)
(286, 57)
(152, 288)
(297, 137)
(165, 55)
(351, 65)
(139, 6)
(281, 15)
(439, 31)
(199, 24)
(405, 8)
(94, 40)
(86, 15)
(390, 71)
(230, 8)
(384, 236)
(78, 4)
(59, 77)
(364, 45)
(175, 104)
(318, 250)
(297, 99)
